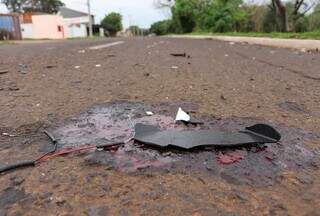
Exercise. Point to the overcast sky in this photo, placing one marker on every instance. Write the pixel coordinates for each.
(134, 12)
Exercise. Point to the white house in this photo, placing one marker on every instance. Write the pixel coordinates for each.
(67, 23)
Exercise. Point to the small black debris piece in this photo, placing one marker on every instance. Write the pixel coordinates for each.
(179, 54)
(3, 71)
(50, 66)
(256, 134)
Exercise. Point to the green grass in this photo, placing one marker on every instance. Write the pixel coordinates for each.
(304, 35)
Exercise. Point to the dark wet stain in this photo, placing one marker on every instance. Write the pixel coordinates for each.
(259, 165)
(10, 196)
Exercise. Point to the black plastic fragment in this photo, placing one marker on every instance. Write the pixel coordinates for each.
(179, 54)
(256, 134)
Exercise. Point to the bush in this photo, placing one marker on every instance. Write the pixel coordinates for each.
(112, 23)
(161, 27)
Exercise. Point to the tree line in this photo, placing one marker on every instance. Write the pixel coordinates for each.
(45, 6)
(237, 16)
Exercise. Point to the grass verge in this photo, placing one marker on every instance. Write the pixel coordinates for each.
(303, 35)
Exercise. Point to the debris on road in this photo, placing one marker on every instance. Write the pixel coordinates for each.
(185, 118)
(4, 71)
(149, 113)
(51, 66)
(180, 55)
(256, 134)
(222, 97)
(7, 134)
(182, 116)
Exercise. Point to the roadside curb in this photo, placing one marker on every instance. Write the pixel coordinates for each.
(273, 42)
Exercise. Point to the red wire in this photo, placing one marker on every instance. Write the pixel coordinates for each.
(65, 152)
(72, 150)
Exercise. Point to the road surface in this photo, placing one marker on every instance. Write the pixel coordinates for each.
(228, 82)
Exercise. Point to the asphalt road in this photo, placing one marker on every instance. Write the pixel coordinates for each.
(49, 82)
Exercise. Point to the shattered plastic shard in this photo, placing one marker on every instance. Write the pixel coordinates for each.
(149, 113)
(182, 115)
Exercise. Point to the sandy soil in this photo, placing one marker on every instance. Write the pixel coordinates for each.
(43, 87)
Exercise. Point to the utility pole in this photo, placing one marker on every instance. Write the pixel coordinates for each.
(90, 19)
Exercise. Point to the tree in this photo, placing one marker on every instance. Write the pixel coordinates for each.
(300, 8)
(45, 6)
(315, 19)
(135, 30)
(112, 23)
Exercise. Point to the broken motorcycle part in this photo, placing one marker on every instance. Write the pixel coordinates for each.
(31, 162)
(256, 134)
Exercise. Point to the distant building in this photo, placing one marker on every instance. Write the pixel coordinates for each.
(67, 23)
